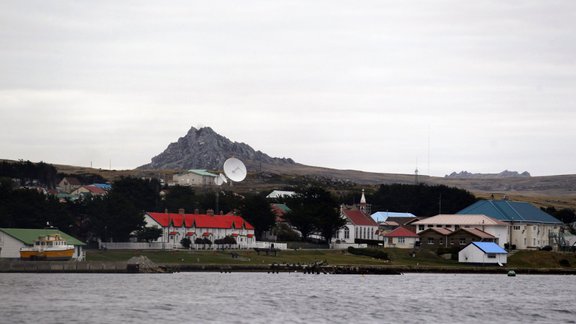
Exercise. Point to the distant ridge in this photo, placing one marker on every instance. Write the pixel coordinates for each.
(205, 149)
(503, 174)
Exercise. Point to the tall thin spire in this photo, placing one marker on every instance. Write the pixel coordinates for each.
(363, 199)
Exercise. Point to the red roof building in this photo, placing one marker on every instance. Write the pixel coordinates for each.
(401, 237)
(176, 226)
(360, 227)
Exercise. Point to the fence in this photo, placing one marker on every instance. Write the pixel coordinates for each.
(170, 246)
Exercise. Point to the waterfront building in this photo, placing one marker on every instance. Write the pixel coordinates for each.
(451, 222)
(529, 227)
(13, 239)
(401, 237)
(481, 253)
(176, 226)
(360, 227)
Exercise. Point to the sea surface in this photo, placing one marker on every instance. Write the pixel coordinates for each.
(286, 298)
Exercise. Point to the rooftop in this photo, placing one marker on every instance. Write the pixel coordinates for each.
(510, 211)
(28, 236)
(454, 219)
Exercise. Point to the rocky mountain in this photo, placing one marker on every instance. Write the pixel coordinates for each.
(205, 149)
(503, 174)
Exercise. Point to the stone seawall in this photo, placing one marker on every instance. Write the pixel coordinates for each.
(124, 267)
(62, 266)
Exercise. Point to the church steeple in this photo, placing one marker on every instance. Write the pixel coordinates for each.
(363, 206)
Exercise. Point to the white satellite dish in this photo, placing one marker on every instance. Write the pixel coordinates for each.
(224, 180)
(220, 179)
(234, 169)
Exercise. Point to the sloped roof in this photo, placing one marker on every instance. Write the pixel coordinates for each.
(489, 247)
(453, 219)
(357, 217)
(510, 211)
(383, 216)
(439, 230)
(401, 232)
(200, 220)
(95, 190)
(202, 172)
(28, 235)
(476, 232)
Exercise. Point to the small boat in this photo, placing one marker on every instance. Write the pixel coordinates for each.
(49, 247)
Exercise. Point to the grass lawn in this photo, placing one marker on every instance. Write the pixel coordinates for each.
(398, 257)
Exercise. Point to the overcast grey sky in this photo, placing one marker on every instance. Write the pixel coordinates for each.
(372, 85)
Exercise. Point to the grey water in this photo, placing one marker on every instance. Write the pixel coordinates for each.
(286, 298)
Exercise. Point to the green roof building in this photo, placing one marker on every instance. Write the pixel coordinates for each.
(12, 239)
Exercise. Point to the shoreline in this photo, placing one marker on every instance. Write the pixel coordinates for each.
(17, 266)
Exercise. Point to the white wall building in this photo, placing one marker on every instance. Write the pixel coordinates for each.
(195, 178)
(13, 239)
(483, 253)
(175, 227)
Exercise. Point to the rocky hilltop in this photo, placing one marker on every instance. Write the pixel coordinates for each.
(503, 174)
(205, 149)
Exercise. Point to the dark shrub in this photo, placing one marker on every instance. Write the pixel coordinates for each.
(186, 242)
(564, 263)
(374, 253)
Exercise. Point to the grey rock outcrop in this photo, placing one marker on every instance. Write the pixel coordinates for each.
(205, 149)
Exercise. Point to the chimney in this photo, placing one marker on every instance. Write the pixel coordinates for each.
(166, 211)
(210, 212)
(181, 211)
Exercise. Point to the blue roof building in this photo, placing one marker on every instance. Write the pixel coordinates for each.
(483, 253)
(529, 227)
(510, 211)
(383, 216)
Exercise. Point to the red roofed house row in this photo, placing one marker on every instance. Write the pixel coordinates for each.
(359, 224)
(176, 226)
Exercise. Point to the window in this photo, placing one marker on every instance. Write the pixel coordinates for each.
(420, 227)
(438, 225)
(448, 226)
(430, 225)
(516, 228)
(430, 240)
(456, 227)
(491, 256)
(400, 240)
(462, 241)
(346, 232)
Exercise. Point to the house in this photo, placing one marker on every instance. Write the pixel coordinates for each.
(359, 225)
(401, 237)
(464, 236)
(483, 253)
(529, 227)
(195, 177)
(453, 222)
(434, 238)
(90, 190)
(12, 239)
(176, 226)
(69, 184)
